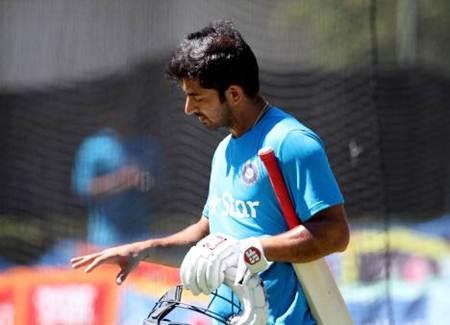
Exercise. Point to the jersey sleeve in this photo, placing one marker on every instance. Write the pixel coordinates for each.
(310, 180)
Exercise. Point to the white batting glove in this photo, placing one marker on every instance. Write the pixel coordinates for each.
(255, 308)
(203, 268)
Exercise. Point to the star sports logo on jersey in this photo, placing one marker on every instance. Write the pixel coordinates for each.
(249, 173)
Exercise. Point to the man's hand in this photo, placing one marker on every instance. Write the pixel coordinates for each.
(127, 257)
(203, 268)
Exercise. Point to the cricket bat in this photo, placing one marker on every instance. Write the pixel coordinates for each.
(323, 295)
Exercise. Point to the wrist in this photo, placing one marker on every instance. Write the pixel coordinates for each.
(143, 249)
(253, 254)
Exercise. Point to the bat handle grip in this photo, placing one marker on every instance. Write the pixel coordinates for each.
(269, 160)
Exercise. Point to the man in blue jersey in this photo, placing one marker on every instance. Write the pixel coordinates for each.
(114, 175)
(218, 74)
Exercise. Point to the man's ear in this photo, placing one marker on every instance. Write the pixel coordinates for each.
(234, 94)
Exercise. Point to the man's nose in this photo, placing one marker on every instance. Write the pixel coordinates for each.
(188, 107)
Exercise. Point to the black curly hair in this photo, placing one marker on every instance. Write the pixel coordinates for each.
(218, 57)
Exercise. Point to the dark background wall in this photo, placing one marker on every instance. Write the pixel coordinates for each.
(65, 64)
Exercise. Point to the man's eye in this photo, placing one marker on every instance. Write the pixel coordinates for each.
(198, 99)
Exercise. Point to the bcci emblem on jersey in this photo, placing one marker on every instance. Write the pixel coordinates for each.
(249, 173)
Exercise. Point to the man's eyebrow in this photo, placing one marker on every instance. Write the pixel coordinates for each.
(192, 94)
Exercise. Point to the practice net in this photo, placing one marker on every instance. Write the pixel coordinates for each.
(374, 85)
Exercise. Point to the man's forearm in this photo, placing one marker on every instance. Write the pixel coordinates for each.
(171, 250)
(124, 178)
(295, 246)
(325, 233)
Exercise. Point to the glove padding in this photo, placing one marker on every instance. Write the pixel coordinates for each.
(252, 297)
(204, 266)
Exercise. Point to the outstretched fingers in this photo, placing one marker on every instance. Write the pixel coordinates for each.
(96, 262)
(92, 261)
(80, 261)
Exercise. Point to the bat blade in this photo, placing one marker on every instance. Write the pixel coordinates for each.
(321, 291)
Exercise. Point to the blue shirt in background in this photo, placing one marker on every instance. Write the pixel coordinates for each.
(122, 217)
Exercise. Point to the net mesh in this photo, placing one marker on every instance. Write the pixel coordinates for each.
(336, 66)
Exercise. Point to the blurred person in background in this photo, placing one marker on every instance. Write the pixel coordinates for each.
(115, 174)
(218, 73)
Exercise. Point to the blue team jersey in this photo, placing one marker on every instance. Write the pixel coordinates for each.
(241, 202)
(121, 217)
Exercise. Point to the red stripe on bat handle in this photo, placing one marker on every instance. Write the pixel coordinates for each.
(269, 160)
